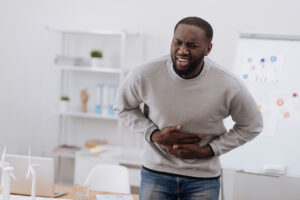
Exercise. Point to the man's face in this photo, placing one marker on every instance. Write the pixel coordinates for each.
(189, 46)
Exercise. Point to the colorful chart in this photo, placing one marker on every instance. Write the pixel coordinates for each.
(262, 68)
(287, 105)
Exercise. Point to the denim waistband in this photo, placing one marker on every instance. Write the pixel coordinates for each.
(178, 175)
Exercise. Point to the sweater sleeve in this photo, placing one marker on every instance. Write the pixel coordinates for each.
(127, 106)
(248, 123)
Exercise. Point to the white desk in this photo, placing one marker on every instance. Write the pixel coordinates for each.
(248, 186)
(129, 157)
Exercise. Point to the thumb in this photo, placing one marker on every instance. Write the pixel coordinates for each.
(174, 128)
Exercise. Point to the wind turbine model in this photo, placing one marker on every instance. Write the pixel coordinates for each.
(32, 171)
(7, 172)
(2, 167)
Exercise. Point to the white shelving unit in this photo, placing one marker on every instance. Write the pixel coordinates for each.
(86, 115)
(75, 127)
(88, 69)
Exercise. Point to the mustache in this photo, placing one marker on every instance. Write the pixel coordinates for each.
(183, 55)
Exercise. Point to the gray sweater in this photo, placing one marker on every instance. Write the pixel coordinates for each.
(199, 104)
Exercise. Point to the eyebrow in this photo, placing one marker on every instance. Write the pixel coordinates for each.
(192, 41)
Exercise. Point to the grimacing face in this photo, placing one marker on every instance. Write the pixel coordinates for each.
(189, 46)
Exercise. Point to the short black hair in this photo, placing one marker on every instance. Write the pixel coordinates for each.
(201, 23)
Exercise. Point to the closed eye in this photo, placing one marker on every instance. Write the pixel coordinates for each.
(192, 45)
(178, 42)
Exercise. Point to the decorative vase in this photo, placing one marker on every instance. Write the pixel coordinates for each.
(96, 62)
(63, 106)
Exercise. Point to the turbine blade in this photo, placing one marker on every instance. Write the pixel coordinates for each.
(28, 173)
(29, 157)
(13, 176)
(3, 157)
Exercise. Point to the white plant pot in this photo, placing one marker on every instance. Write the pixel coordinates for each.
(97, 62)
(63, 106)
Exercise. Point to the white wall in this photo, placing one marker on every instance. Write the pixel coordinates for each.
(24, 49)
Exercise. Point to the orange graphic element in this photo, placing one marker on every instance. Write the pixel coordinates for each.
(259, 106)
(295, 94)
(280, 102)
(287, 115)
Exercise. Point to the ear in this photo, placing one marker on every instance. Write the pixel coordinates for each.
(208, 49)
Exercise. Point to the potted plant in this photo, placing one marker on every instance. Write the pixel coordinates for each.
(96, 58)
(64, 102)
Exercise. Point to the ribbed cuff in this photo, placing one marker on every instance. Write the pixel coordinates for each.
(149, 132)
(214, 149)
(152, 134)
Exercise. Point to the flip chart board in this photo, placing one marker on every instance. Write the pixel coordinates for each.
(269, 65)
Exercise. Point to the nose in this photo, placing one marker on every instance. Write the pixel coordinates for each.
(183, 50)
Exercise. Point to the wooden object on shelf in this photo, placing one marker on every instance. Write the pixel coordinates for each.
(93, 143)
(84, 98)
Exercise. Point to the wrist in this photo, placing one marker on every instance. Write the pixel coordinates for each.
(153, 136)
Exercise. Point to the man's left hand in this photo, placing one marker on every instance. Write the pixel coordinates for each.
(188, 151)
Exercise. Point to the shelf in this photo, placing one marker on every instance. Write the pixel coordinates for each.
(86, 115)
(65, 155)
(93, 32)
(124, 155)
(66, 151)
(89, 69)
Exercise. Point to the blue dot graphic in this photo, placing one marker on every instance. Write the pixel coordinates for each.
(262, 60)
(249, 59)
(273, 58)
(245, 76)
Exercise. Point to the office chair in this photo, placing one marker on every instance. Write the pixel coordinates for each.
(109, 178)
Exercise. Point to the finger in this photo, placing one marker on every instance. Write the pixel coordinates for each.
(173, 152)
(178, 127)
(182, 153)
(189, 141)
(163, 147)
(183, 147)
(172, 128)
(166, 149)
(187, 135)
(202, 137)
(192, 136)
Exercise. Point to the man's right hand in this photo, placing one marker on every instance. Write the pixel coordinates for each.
(170, 136)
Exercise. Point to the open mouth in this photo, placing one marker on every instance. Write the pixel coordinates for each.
(182, 61)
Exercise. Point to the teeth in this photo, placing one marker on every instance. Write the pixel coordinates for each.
(182, 60)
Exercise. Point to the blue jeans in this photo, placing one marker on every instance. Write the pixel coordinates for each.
(157, 186)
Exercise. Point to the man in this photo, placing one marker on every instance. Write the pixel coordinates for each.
(187, 96)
